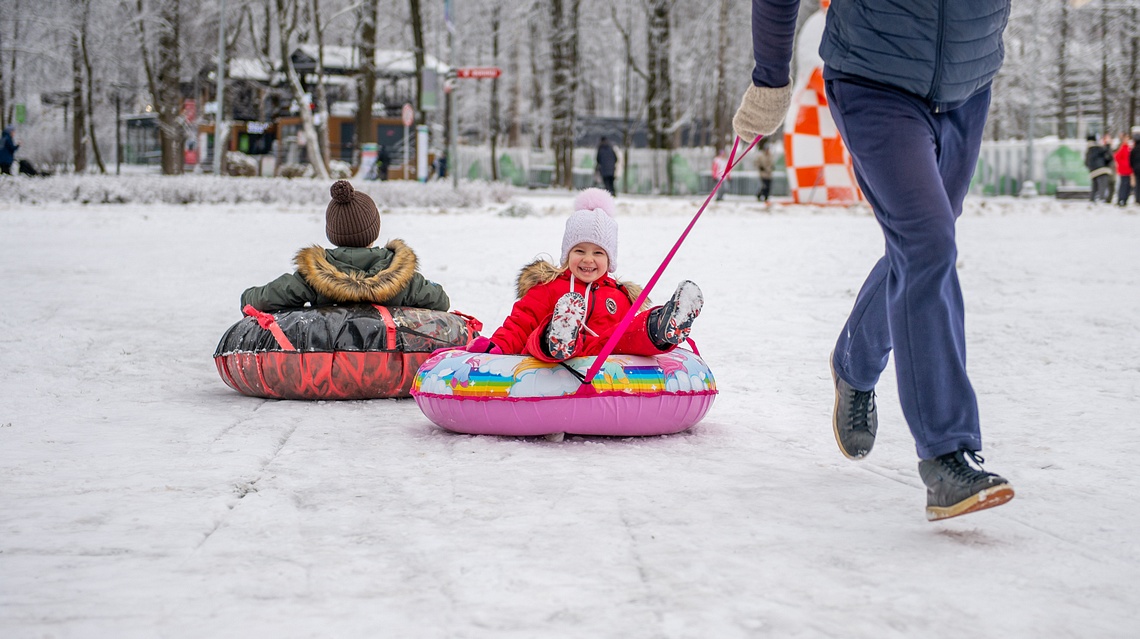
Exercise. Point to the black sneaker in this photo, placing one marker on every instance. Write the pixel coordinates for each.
(670, 324)
(854, 420)
(954, 487)
(565, 324)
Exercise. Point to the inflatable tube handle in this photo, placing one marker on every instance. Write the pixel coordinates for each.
(269, 323)
(473, 324)
(389, 326)
(611, 343)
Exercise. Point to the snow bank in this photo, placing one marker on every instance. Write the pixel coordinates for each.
(202, 189)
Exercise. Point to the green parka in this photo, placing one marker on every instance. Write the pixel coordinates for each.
(350, 275)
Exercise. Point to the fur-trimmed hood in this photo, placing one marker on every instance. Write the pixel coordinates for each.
(541, 272)
(358, 275)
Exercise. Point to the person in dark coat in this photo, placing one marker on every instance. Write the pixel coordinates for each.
(917, 73)
(1134, 160)
(355, 272)
(8, 149)
(383, 159)
(1098, 160)
(606, 161)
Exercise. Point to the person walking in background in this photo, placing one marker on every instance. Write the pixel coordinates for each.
(383, 160)
(606, 162)
(8, 149)
(719, 166)
(916, 73)
(1123, 170)
(1134, 160)
(765, 166)
(1098, 160)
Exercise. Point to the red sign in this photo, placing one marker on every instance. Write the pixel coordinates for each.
(409, 115)
(478, 73)
(190, 110)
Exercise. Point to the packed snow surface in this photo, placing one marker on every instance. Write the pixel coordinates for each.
(141, 497)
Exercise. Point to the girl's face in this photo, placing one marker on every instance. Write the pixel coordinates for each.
(588, 262)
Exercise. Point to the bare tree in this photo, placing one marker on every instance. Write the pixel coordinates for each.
(626, 31)
(722, 119)
(495, 124)
(162, 71)
(366, 80)
(418, 40)
(84, 23)
(287, 18)
(659, 84)
(79, 122)
(563, 87)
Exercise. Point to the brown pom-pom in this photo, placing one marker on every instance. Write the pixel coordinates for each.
(342, 191)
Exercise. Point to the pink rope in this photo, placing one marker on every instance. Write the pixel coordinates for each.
(587, 388)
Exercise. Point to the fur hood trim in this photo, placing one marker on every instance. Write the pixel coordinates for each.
(541, 272)
(356, 286)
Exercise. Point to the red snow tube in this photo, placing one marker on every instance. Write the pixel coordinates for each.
(336, 352)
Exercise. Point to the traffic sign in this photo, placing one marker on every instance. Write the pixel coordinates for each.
(409, 115)
(478, 73)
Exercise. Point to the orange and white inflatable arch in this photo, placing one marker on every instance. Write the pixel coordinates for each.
(819, 166)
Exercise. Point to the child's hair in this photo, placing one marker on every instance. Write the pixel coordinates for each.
(351, 218)
(592, 221)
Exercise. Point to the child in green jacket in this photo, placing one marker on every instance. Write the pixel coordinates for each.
(353, 273)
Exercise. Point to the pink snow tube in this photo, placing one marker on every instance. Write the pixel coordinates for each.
(515, 395)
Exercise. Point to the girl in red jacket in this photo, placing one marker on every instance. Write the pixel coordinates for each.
(571, 310)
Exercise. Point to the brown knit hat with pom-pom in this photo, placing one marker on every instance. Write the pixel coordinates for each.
(352, 218)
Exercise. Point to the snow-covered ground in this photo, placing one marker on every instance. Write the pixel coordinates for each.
(141, 497)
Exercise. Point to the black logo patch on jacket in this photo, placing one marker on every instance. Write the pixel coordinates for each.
(611, 306)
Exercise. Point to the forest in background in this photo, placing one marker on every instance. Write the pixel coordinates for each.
(67, 66)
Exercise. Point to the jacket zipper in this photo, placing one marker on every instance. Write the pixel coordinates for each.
(938, 53)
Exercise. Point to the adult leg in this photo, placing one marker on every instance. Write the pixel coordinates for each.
(915, 173)
(6, 168)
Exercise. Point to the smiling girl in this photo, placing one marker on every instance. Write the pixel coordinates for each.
(571, 310)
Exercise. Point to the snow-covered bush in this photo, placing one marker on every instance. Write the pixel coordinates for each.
(339, 170)
(209, 189)
(240, 164)
(294, 171)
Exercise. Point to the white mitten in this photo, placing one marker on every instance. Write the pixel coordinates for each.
(762, 111)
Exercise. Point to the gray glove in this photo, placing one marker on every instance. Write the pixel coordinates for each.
(762, 111)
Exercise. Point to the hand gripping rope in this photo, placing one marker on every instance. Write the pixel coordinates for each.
(587, 388)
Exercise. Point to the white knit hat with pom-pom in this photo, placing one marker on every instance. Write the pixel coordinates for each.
(592, 221)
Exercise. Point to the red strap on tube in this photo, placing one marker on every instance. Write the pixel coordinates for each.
(269, 323)
(586, 387)
(389, 326)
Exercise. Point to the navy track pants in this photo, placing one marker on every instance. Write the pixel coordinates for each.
(914, 166)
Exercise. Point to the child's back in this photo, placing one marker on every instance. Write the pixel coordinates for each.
(355, 272)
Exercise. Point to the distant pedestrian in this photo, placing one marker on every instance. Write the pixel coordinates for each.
(765, 166)
(1098, 160)
(719, 166)
(8, 148)
(1124, 170)
(441, 166)
(382, 162)
(1134, 159)
(606, 162)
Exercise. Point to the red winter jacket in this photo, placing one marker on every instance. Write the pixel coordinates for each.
(1123, 167)
(540, 285)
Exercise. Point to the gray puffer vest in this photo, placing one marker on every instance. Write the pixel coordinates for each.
(940, 50)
